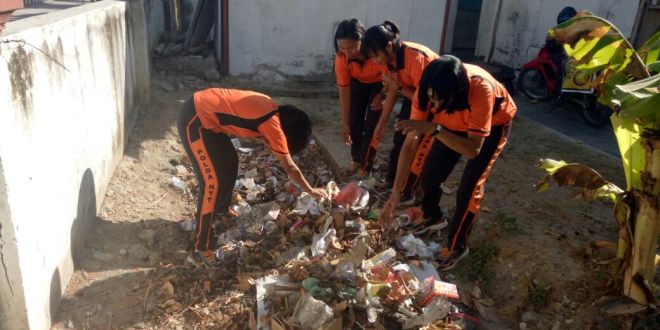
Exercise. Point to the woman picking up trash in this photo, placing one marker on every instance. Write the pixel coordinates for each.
(359, 81)
(469, 114)
(206, 121)
(405, 61)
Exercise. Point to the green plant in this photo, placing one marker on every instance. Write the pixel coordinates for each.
(538, 293)
(625, 85)
(477, 265)
(505, 224)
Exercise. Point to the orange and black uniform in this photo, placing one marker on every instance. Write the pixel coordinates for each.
(490, 113)
(411, 59)
(206, 121)
(365, 81)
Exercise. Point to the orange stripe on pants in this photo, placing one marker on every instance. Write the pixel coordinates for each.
(458, 235)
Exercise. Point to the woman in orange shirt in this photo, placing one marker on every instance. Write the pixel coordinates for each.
(405, 62)
(359, 81)
(469, 114)
(206, 122)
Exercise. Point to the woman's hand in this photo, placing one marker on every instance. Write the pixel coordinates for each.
(346, 133)
(379, 131)
(377, 102)
(390, 83)
(318, 193)
(422, 126)
(388, 209)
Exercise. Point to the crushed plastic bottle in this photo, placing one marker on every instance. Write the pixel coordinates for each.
(242, 208)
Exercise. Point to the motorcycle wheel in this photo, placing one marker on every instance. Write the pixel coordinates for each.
(596, 114)
(532, 84)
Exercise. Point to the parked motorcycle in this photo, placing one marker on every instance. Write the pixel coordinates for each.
(539, 80)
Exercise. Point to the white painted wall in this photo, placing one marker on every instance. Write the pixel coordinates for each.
(523, 24)
(62, 132)
(295, 37)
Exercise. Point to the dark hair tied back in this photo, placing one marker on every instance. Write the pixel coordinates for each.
(391, 26)
(376, 38)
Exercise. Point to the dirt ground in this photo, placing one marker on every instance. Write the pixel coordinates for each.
(527, 249)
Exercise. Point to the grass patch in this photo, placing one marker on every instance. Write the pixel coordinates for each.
(538, 293)
(505, 224)
(476, 267)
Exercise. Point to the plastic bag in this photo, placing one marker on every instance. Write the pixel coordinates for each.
(413, 246)
(320, 242)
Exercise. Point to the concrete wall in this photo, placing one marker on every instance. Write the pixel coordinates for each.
(522, 25)
(156, 21)
(63, 126)
(296, 36)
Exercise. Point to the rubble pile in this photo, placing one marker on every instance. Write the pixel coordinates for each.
(290, 262)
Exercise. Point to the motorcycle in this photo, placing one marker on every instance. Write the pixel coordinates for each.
(539, 80)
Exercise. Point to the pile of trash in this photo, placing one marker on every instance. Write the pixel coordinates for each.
(291, 262)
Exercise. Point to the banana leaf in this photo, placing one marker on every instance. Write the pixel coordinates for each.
(622, 84)
(650, 50)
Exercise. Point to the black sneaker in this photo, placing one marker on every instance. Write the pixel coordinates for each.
(449, 258)
(204, 259)
(427, 225)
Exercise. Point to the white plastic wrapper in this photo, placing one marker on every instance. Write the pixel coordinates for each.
(306, 203)
(311, 313)
(413, 246)
(320, 242)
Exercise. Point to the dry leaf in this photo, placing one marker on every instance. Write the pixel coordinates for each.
(207, 286)
(276, 324)
(333, 325)
(168, 288)
(253, 322)
(245, 282)
(475, 293)
(175, 307)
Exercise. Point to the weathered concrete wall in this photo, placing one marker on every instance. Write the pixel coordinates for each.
(156, 21)
(296, 37)
(63, 126)
(523, 24)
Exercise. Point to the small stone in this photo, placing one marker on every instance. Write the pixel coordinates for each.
(574, 305)
(149, 236)
(154, 258)
(523, 326)
(103, 256)
(180, 255)
(139, 252)
(557, 325)
(164, 85)
(569, 321)
(123, 252)
(529, 316)
(69, 324)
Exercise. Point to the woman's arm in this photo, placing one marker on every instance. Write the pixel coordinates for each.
(296, 175)
(467, 146)
(345, 106)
